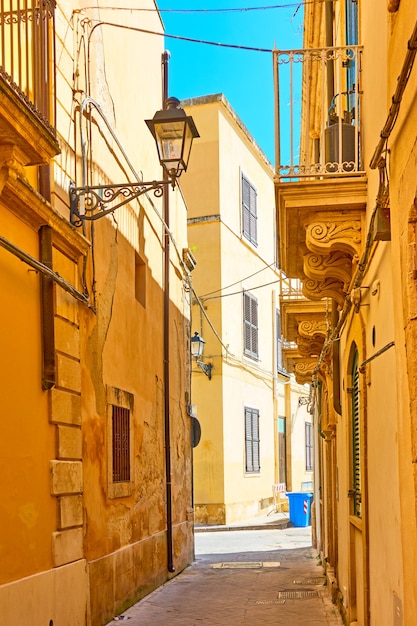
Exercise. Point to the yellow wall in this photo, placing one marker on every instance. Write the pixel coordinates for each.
(224, 492)
(28, 512)
(369, 558)
(68, 525)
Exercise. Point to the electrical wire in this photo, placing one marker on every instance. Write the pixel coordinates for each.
(210, 323)
(225, 295)
(189, 39)
(289, 5)
(237, 282)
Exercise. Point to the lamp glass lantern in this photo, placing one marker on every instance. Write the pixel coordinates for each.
(197, 345)
(173, 131)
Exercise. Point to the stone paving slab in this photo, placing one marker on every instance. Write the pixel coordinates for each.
(291, 594)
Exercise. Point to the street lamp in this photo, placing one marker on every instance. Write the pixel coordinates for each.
(197, 348)
(173, 131)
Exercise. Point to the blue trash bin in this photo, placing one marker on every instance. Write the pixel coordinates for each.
(300, 507)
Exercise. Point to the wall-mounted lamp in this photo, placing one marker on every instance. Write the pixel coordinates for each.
(173, 132)
(197, 348)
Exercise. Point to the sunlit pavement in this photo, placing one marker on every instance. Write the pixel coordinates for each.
(243, 577)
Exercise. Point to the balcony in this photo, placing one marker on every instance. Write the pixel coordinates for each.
(320, 184)
(27, 135)
(305, 326)
(318, 112)
(321, 193)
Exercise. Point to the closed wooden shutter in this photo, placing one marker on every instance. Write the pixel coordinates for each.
(280, 364)
(309, 446)
(350, 64)
(356, 440)
(252, 447)
(249, 211)
(282, 450)
(250, 323)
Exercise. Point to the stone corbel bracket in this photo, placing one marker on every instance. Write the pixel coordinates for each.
(321, 229)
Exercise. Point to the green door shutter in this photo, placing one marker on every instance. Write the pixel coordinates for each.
(356, 440)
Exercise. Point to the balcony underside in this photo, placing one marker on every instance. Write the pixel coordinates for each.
(22, 127)
(305, 324)
(295, 363)
(321, 225)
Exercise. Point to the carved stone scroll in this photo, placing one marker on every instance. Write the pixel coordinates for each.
(337, 264)
(328, 236)
(328, 288)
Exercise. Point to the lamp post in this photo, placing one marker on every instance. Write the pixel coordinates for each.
(173, 131)
(197, 349)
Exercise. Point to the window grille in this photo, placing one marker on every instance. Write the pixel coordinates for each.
(252, 451)
(250, 323)
(121, 444)
(249, 211)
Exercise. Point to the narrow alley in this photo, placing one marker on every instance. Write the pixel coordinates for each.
(258, 574)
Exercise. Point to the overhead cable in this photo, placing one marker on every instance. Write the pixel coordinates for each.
(190, 39)
(289, 5)
(210, 293)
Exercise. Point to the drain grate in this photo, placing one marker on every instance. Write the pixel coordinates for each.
(310, 581)
(239, 565)
(297, 595)
(269, 602)
(245, 564)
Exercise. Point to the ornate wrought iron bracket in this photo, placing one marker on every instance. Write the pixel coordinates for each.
(206, 367)
(91, 203)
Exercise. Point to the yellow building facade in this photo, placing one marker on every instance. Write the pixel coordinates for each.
(252, 425)
(96, 447)
(346, 213)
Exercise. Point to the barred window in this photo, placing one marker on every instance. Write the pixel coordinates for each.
(121, 444)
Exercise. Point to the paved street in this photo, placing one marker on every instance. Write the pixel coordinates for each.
(243, 578)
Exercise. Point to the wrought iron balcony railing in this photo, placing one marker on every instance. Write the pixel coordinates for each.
(26, 46)
(318, 112)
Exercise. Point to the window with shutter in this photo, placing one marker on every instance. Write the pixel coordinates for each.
(309, 446)
(249, 211)
(250, 325)
(280, 363)
(252, 453)
(356, 439)
(351, 7)
(282, 450)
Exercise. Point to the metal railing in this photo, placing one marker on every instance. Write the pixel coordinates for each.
(317, 112)
(291, 289)
(26, 53)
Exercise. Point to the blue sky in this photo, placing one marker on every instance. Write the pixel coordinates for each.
(244, 77)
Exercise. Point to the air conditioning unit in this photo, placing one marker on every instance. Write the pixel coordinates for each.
(339, 129)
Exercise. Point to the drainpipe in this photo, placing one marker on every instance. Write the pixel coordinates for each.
(47, 311)
(166, 250)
